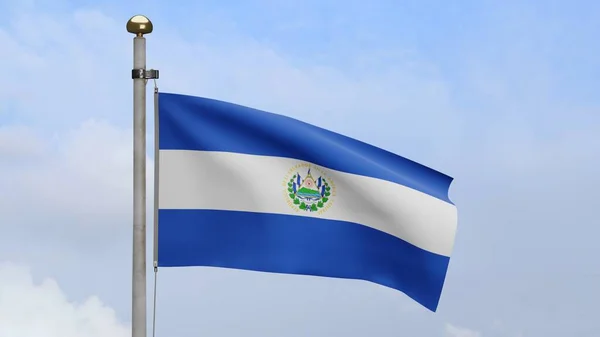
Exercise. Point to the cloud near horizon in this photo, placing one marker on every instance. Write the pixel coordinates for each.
(31, 309)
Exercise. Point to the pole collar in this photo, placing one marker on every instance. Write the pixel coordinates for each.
(150, 74)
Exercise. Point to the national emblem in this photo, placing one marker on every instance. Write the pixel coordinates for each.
(306, 193)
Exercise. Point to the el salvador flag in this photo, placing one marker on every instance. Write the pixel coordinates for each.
(247, 189)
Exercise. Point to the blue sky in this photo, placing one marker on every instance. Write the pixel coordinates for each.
(500, 95)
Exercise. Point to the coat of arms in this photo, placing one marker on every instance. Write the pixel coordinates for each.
(308, 193)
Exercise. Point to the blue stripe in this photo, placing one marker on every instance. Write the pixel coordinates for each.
(299, 245)
(194, 123)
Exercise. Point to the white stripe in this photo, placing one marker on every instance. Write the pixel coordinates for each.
(241, 182)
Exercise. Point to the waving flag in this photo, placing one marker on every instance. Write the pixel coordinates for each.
(247, 189)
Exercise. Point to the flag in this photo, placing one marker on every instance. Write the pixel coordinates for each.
(248, 189)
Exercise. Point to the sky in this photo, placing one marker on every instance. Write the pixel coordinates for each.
(500, 95)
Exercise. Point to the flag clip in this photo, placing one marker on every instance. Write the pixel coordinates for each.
(150, 74)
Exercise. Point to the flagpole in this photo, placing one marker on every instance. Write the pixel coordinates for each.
(139, 25)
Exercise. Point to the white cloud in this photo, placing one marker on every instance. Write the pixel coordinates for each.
(83, 177)
(454, 331)
(19, 142)
(30, 309)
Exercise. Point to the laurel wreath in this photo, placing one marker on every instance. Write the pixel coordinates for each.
(301, 204)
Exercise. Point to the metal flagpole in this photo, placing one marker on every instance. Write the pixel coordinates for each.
(139, 25)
